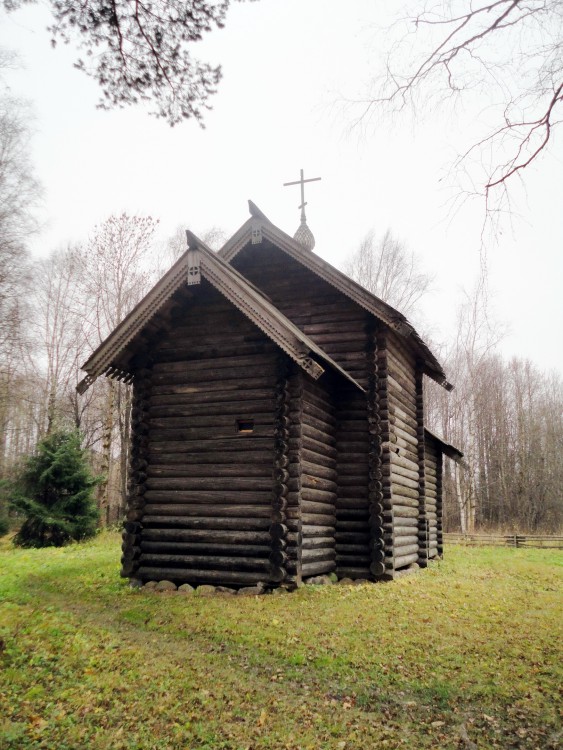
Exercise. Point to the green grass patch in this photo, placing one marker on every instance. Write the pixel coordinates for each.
(469, 651)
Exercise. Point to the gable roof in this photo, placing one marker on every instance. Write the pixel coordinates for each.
(259, 226)
(197, 262)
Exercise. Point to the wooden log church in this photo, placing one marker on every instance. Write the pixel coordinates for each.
(277, 423)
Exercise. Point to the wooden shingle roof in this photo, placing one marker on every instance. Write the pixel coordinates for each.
(259, 227)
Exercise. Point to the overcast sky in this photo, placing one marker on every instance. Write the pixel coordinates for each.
(288, 67)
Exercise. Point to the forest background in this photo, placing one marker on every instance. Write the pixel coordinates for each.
(58, 304)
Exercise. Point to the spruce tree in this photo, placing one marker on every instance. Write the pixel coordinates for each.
(54, 492)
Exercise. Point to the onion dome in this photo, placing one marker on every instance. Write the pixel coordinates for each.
(304, 236)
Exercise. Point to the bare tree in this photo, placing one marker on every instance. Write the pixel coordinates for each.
(115, 276)
(390, 271)
(508, 50)
(19, 194)
(59, 327)
(176, 244)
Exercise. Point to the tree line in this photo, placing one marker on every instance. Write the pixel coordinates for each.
(506, 416)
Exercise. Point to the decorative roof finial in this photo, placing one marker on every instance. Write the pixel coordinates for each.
(303, 235)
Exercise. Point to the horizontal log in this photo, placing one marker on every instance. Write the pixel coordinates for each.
(212, 423)
(200, 497)
(318, 399)
(317, 568)
(185, 349)
(352, 463)
(210, 536)
(214, 562)
(310, 531)
(351, 549)
(346, 525)
(392, 479)
(317, 555)
(352, 537)
(253, 460)
(319, 542)
(400, 492)
(318, 496)
(345, 571)
(307, 443)
(209, 510)
(235, 470)
(240, 577)
(400, 511)
(347, 448)
(359, 502)
(164, 485)
(208, 549)
(239, 389)
(201, 364)
(401, 541)
(397, 384)
(312, 482)
(407, 464)
(406, 502)
(324, 414)
(404, 560)
(308, 506)
(401, 550)
(249, 523)
(320, 436)
(216, 375)
(213, 434)
(354, 480)
(239, 442)
(310, 519)
(410, 439)
(391, 469)
(312, 457)
(193, 398)
(357, 513)
(318, 470)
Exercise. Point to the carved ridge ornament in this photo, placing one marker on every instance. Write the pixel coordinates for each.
(193, 260)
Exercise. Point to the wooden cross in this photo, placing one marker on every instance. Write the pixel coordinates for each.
(302, 182)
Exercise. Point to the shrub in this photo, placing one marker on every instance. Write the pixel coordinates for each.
(54, 492)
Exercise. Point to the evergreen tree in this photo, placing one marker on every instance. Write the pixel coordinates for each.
(4, 520)
(54, 492)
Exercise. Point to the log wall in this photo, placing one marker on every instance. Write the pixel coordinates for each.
(208, 500)
(318, 478)
(352, 504)
(329, 318)
(432, 520)
(401, 434)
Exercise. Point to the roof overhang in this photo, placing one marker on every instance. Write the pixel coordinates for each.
(447, 448)
(198, 262)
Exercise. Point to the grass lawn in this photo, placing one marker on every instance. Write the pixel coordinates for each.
(467, 654)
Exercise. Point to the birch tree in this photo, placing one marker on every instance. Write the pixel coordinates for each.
(116, 275)
(387, 269)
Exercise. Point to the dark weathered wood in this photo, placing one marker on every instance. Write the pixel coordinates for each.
(210, 536)
(404, 560)
(199, 497)
(250, 522)
(214, 562)
(317, 568)
(189, 575)
(189, 484)
(209, 510)
(206, 548)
